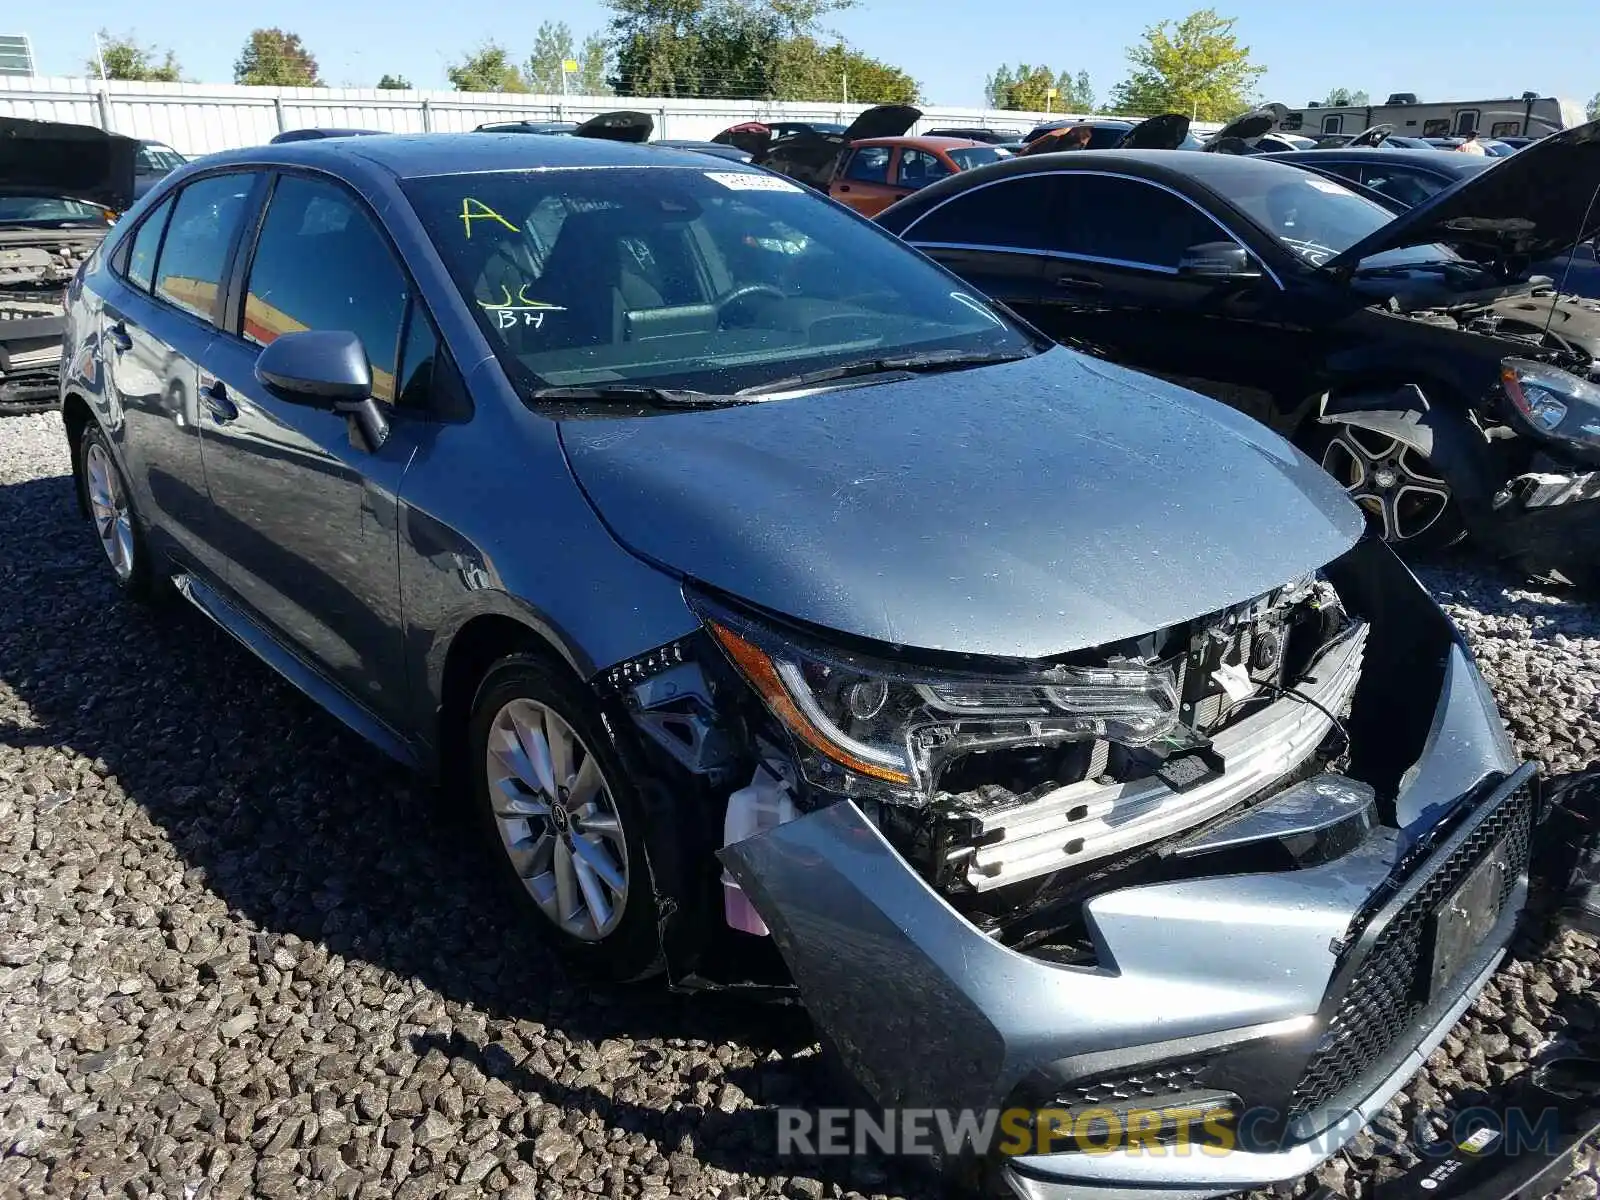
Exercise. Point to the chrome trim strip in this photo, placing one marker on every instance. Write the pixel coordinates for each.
(1207, 214)
(1062, 254)
(1034, 839)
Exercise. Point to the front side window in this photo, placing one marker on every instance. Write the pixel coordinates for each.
(967, 157)
(320, 263)
(918, 168)
(199, 237)
(146, 242)
(712, 280)
(1410, 188)
(870, 164)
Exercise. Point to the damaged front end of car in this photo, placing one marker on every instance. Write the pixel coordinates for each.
(35, 271)
(1253, 865)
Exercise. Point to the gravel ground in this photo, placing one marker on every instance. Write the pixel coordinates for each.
(236, 959)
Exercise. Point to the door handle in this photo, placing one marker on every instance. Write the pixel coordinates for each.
(1081, 283)
(215, 397)
(117, 335)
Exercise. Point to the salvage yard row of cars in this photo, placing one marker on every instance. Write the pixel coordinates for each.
(785, 606)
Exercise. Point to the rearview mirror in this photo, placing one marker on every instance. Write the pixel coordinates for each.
(316, 365)
(1221, 261)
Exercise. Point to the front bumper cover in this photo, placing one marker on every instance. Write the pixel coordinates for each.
(1264, 979)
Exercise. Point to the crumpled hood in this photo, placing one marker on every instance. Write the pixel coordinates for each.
(78, 162)
(1018, 510)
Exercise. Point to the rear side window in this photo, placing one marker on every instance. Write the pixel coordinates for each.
(199, 237)
(146, 241)
(320, 263)
(870, 164)
(1128, 221)
(1019, 213)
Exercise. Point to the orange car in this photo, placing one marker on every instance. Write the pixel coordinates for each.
(875, 172)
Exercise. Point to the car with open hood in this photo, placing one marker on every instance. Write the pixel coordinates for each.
(1411, 353)
(61, 186)
(781, 612)
(813, 157)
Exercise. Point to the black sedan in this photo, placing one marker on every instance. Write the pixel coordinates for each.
(1409, 177)
(1402, 351)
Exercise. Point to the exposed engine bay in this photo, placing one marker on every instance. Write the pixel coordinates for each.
(35, 269)
(1568, 326)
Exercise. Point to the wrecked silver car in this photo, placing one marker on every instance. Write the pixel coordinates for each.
(60, 186)
(782, 613)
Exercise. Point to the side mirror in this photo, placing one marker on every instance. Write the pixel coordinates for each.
(326, 368)
(316, 366)
(1220, 261)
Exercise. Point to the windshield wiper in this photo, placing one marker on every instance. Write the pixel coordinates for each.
(636, 393)
(932, 360)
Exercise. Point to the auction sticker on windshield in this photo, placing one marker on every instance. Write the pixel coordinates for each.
(749, 181)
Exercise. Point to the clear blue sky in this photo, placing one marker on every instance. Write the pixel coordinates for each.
(1461, 50)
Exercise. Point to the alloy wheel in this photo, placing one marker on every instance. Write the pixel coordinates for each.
(108, 504)
(557, 819)
(1396, 485)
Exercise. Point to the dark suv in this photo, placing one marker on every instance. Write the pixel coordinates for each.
(1411, 354)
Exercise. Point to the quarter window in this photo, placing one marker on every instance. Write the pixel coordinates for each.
(146, 242)
(870, 164)
(320, 263)
(199, 238)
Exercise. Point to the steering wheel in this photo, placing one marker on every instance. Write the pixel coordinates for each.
(743, 292)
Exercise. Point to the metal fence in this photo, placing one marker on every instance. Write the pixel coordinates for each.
(198, 118)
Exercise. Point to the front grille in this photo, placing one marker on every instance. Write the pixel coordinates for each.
(1388, 992)
(1157, 1083)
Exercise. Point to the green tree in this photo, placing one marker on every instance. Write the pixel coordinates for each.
(394, 83)
(487, 69)
(1195, 66)
(1342, 98)
(808, 70)
(1026, 88)
(274, 58)
(1594, 108)
(124, 58)
(719, 48)
(552, 47)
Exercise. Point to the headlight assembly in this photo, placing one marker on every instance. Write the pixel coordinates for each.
(880, 728)
(1553, 401)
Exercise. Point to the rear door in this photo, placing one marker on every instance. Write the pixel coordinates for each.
(864, 181)
(309, 512)
(156, 329)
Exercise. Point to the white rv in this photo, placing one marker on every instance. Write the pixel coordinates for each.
(1527, 115)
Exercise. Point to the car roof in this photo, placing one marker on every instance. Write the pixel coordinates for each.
(920, 143)
(418, 155)
(1457, 164)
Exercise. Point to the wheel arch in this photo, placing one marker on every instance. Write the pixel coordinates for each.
(1409, 411)
(76, 415)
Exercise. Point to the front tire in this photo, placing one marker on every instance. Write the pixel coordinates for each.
(555, 806)
(1407, 500)
(116, 523)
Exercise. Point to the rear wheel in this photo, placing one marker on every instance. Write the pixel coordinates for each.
(115, 522)
(1407, 500)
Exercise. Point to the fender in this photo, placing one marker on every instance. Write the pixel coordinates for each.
(1451, 443)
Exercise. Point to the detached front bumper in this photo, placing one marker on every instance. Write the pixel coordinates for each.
(1309, 995)
(1550, 523)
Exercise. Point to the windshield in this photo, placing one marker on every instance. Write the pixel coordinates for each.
(976, 156)
(153, 156)
(709, 280)
(1318, 219)
(35, 210)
